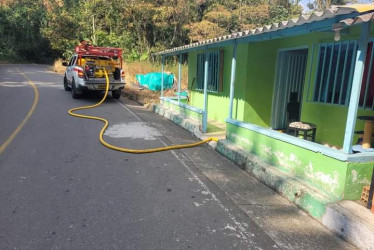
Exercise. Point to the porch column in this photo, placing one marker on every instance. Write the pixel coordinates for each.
(162, 76)
(205, 114)
(232, 80)
(179, 78)
(356, 88)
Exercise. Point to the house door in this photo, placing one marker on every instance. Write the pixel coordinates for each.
(288, 87)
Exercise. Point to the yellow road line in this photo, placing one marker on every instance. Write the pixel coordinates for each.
(20, 126)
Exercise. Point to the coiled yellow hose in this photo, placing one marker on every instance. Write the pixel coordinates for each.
(127, 150)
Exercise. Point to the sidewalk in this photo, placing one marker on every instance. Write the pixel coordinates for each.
(283, 220)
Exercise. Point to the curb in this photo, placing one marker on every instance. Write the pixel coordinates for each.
(302, 195)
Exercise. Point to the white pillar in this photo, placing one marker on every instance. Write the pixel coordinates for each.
(205, 114)
(232, 80)
(356, 88)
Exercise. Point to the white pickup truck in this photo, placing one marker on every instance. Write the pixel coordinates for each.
(85, 70)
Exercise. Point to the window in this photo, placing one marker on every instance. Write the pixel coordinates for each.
(335, 71)
(215, 71)
(72, 61)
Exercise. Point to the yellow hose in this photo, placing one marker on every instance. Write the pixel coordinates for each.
(127, 150)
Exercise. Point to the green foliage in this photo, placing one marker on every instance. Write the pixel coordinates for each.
(32, 29)
(21, 38)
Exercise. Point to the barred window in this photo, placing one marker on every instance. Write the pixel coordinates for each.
(335, 70)
(215, 71)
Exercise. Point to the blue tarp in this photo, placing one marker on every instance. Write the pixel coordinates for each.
(153, 80)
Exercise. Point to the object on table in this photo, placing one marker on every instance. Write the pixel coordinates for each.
(293, 108)
(368, 131)
(307, 129)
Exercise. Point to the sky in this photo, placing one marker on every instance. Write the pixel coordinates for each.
(304, 3)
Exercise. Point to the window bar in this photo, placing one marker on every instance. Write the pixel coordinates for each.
(298, 73)
(336, 73)
(317, 67)
(214, 71)
(287, 88)
(292, 72)
(288, 72)
(215, 66)
(310, 70)
(322, 74)
(210, 71)
(351, 73)
(329, 73)
(344, 70)
(302, 76)
(368, 77)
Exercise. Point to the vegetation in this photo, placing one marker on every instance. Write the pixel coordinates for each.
(40, 30)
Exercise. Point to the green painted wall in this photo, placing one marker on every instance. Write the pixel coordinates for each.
(358, 176)
(189, 113)
(340, 179)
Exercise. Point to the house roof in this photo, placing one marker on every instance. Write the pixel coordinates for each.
(359, 19)
(335, 14)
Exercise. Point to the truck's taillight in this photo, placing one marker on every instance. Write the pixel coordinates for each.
(122, 73)
(80, 72)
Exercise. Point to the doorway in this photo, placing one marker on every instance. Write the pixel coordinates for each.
(288, 87)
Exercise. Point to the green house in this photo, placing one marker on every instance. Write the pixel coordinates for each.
(317, 69)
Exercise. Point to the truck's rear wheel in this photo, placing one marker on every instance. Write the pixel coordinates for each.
(66, 87)
(74, 93)
(116, 94)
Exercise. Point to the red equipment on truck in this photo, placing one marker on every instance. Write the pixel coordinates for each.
(85, 70)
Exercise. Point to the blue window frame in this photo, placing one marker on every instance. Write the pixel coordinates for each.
(335, 72)
(335, 69)
(215, 71)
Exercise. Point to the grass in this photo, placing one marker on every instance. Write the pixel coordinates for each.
(57, 67)
(135, 68)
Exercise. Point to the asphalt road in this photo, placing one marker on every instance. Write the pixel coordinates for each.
(61, 189)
